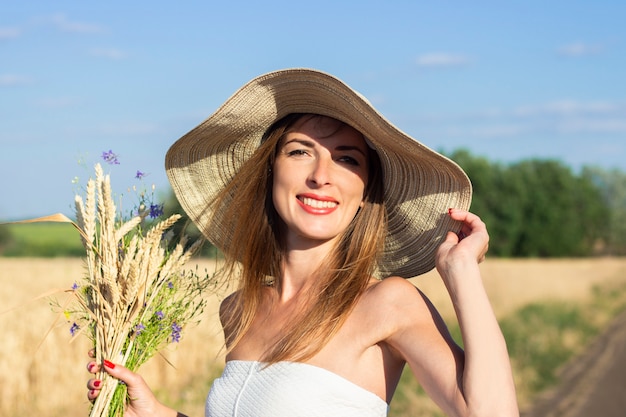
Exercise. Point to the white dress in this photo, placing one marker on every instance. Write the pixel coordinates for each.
(288, 389)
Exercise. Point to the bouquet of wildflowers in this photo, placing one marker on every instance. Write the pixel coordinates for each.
(135, 298)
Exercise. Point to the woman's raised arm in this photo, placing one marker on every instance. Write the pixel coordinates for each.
(476, 381)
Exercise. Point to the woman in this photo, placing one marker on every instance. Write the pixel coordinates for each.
(314, 198)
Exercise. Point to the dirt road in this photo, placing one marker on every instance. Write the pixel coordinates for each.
(594, 385)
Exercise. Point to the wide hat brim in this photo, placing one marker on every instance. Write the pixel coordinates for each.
(420, 185)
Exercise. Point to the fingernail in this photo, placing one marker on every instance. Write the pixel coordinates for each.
(450, 210)
(109, 364)
(90, 367)
(97, 383)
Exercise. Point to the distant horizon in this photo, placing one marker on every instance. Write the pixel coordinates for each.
(124, 194)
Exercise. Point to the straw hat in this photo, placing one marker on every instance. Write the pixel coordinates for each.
(420, 184)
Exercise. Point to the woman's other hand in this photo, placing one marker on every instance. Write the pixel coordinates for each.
(142, 403)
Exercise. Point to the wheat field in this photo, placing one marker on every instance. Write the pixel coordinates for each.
(43, 373)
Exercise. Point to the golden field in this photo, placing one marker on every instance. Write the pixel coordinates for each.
(44, 374)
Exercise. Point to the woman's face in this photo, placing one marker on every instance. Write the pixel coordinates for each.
(320, 176)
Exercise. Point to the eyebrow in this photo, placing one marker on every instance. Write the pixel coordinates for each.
(350, 148)
(310, 144)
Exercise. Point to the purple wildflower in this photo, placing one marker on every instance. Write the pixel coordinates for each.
(110, 158)
(176, 329)
(156, 210)
(170, 285)
(75, 287)
(159, 315)
(74, 329)
(139, 329)
(140, 175)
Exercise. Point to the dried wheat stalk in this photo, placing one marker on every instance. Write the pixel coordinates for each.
(125, 274)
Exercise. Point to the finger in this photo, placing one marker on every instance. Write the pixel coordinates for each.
(93, 367)
(452, 238)
(92, 394)
(123, 374)
(468, 218)
(92, 353)
(93, 387)
(471, 224)
(137, 389)
(94, 384)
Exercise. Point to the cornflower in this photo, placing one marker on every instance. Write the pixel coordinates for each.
(75, 328)
(176, 329)
(110, 158)
(139, 328)
(156, 210)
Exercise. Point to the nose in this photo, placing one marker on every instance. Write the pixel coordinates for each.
(321, 171)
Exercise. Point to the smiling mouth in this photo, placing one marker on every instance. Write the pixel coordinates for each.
(311, 202)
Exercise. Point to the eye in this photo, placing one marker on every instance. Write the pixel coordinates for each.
(297, 152)
(349, 160)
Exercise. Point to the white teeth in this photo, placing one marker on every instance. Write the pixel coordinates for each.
(317, 203)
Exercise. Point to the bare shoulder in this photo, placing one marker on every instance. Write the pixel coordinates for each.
(399, 302)
(408, 322)
(393, 290)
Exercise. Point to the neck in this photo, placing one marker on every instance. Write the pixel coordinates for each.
(299, 268)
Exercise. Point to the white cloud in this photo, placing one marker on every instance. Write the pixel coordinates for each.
(110, 53)
(485, 130)
(61, 22)
(441, 59)
(9, 33)
(574, 117)
(568, 108)
(579, 49)
(7, 80)
(597, 126)
(560, 117)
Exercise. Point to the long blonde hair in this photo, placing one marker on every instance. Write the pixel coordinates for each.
(255, 252)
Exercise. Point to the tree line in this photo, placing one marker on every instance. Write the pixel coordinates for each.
(542, 208)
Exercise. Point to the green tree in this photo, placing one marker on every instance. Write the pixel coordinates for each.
(612, 189)
(497, 200)
(536, 207)
(547, 217)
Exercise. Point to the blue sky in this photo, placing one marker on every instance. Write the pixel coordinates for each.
(532, 79)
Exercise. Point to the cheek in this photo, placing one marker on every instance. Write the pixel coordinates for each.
(280, 187)
(359, 185)
(275, 194)
(278, 181)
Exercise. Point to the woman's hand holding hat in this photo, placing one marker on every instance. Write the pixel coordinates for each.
(470, 244)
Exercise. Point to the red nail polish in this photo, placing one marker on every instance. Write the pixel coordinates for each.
(97, 383)
(109, 364)
(450, 211)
